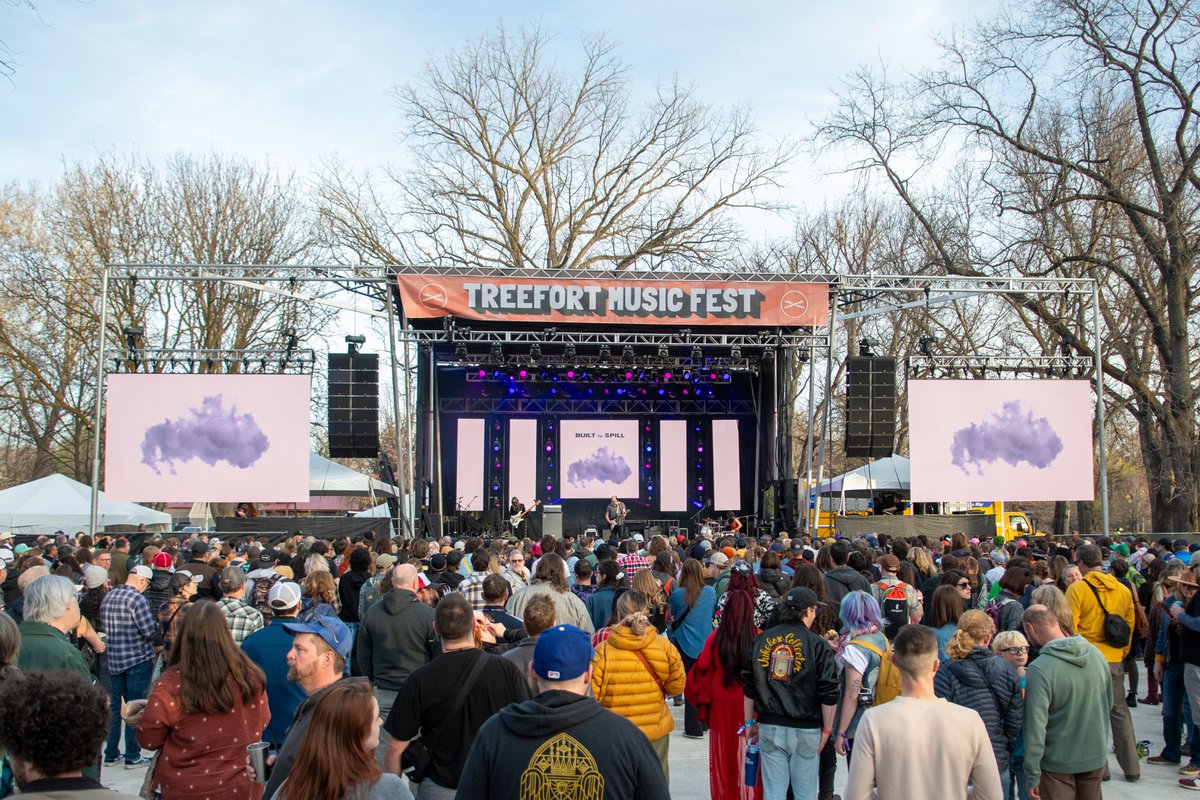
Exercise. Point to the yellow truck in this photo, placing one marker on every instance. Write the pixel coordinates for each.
(983, 520)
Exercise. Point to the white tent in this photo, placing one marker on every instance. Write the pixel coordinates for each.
(380, 510)
(58, 503)
(885, 475)
(325, 479)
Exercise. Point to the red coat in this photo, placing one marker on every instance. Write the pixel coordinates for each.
(203, 756)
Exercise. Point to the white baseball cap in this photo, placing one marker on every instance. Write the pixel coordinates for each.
(284, 594)
(142, 571)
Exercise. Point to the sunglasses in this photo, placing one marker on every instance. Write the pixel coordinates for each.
(963, 584)
(1015, 651)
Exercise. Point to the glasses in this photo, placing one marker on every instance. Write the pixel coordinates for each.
(517, 560)
(1015, 651)
(963, 584)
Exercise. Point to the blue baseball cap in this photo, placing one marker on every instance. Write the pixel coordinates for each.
(331, 629)
(562, 653)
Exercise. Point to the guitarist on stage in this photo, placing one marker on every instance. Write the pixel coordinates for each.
(517, 512)
(615, 515)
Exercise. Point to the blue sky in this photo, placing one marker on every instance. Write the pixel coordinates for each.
(293, 82)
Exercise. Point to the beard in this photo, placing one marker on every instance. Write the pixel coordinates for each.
(295, 674)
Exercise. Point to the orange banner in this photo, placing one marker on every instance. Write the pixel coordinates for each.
(613, 302)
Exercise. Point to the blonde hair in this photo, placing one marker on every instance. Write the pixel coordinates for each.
(631, 611)
(1052, 597)
(975, 628)
(1005, 639)
(921, 559)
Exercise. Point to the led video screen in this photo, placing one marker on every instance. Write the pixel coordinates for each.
(1000, 440)
(598, 458)
(207, 438)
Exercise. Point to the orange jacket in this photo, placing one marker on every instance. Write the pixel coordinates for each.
(623, 685)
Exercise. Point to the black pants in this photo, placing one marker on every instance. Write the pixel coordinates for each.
(691, 715)
(828, 769)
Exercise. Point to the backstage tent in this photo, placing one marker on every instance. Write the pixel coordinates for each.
(885, 475)
(58, 503)
(325, 478)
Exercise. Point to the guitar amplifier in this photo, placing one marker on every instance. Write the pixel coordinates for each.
(552, 521)
(635, 527)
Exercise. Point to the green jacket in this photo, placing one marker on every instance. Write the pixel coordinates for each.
(1068, 693)
(44, 648)
(722, 582)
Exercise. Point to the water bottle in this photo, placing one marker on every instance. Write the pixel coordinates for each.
(752, 763)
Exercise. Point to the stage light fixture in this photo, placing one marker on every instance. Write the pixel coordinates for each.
(605, 352)
(355, 343)
(735, 352)
(662, 351)
(697, 355)
(864, 346)
(925, 345)
(496, 351)
(460, 352)
(535, 351)
(1065, 346)
(569, 350)
(628, 354)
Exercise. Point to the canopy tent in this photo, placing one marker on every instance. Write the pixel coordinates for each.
(885, 475)
(58, 503)
(325, 478)
(380, 510)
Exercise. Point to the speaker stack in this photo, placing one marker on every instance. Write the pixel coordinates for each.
(870, 406)
(353, 405)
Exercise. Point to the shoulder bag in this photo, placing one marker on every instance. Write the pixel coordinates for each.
(1116, 629)
(419, 753)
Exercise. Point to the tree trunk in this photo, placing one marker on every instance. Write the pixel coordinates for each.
(1061, 525)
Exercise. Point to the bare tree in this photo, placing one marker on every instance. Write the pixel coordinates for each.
(514, 163)
(209, 210)
(1083, 116)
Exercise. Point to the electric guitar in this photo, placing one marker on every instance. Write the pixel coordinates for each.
(619, 519)
(515, 519)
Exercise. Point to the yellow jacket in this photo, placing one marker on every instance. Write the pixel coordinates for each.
(1089, 619)
(623, 685)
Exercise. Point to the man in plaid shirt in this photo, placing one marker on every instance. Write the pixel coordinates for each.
(472, 587)
(241, 618)
(131, 629)
(632, 561)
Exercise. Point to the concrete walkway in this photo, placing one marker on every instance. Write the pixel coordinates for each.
(689, 765)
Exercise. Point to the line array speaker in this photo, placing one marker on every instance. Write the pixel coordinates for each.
(353, 405)
(870, 406)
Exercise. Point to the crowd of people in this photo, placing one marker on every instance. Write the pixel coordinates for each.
(504, 669)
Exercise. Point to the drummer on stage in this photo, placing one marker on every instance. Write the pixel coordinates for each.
(733, 523)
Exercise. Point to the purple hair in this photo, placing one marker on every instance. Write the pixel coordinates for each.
(860, 614)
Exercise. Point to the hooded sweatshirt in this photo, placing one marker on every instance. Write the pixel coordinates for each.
(1068, 693)
(843, 580)
(395, 638)
(561, 744)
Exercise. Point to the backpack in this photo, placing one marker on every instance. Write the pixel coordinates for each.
(887, 678)
(995, 610)
(894, 607)
(261, 599)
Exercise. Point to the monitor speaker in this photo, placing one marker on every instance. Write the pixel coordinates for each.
(353, 405)
(870, 407)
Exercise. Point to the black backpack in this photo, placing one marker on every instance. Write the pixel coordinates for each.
(894, 607)
(1117, 632)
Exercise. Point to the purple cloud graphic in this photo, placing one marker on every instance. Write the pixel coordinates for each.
(1012, 436)
(600, 467)
(210, 433)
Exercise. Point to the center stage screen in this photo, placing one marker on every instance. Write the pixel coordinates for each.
(599, 458)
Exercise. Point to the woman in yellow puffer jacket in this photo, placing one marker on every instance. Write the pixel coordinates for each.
(634, 670)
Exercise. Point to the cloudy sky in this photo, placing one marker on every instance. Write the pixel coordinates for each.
(295, 80)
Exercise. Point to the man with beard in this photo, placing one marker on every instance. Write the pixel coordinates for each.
(316, 661)
(271, 648)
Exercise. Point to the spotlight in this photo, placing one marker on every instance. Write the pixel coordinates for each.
(662, 351)
(627, 354)
(1065, 346)
(535, 351)
(864, 346)
(735, 352)
(569, 351)
(925, 345)
(697, 355)
(460, 352)
(496, 350)
(605, 352)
